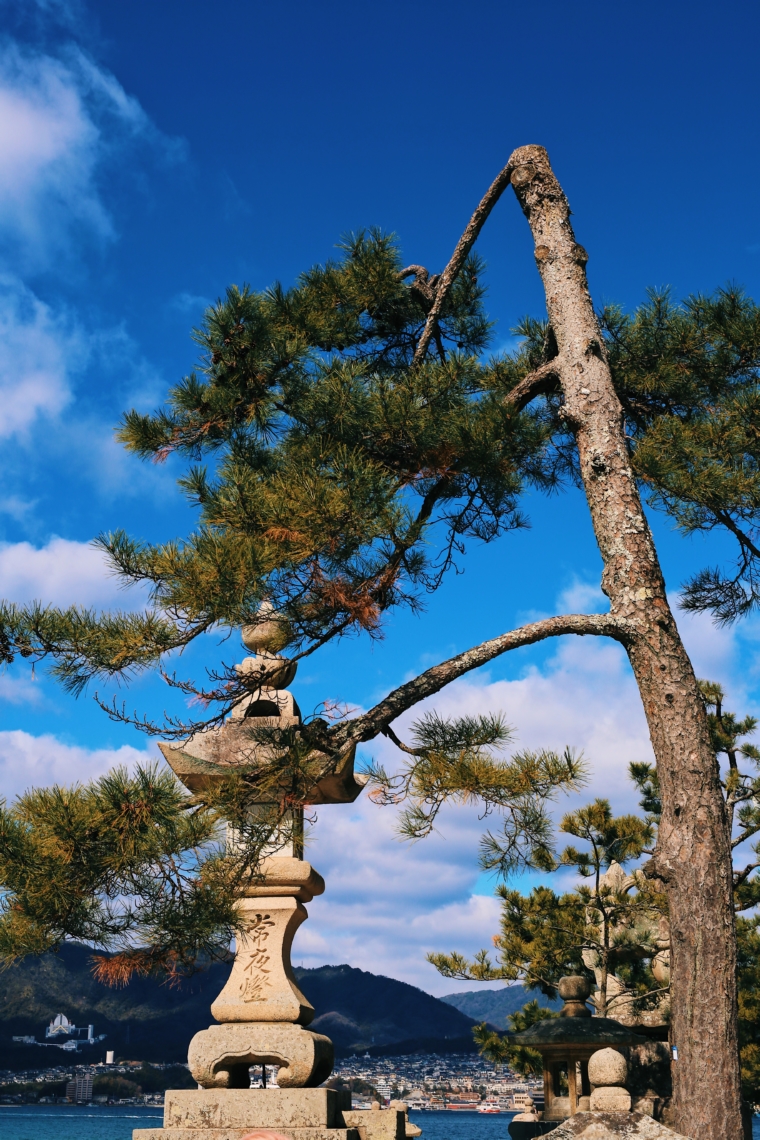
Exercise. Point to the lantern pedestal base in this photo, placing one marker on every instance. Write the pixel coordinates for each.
(297, 1114)
(220, 1056)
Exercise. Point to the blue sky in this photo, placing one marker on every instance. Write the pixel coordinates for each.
(152, 154)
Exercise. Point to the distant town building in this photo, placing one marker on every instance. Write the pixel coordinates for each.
(521, 1100)
(63, 1034)
(60, 1026)
(80, 1088)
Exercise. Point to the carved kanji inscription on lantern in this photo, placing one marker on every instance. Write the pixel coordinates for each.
(256, 968)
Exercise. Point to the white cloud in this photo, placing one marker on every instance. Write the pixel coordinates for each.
(713, 648)
(61, 121)
(60, 118)
(48, 152)
(388, 903)
(28, 761)
(582, 597)
(16, 507)
(37, 354)
(61, 573)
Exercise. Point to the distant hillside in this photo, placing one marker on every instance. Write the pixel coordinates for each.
(143, 1021)
(151, 1021)
(357, 1009)
(496, 1005)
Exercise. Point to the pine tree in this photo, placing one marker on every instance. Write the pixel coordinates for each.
(601, 928)
(612, 927)
(346, 438)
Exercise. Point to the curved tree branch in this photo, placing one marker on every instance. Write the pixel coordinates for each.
(369, 724)
(542, 380)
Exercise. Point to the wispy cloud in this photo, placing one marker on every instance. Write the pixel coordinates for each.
(28, 761)
(61, 573)
(63, 120)
(38, 352)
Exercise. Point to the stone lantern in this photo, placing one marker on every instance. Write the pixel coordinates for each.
(566, 1045)
(261, 1013)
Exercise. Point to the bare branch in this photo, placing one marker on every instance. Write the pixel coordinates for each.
(537, 383)
(741, 876)
(388, 731)
(371, 723)
(459, 256)
(744, 836)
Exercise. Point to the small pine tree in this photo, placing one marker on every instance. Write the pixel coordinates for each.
(600, 928)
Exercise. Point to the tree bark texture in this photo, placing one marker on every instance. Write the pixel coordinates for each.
(693, 854)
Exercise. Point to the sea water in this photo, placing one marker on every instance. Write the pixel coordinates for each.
(79, 1122)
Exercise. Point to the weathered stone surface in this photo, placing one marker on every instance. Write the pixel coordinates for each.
(610, 1098)
(614, 1126)
(297, 1114)
(285, 875)
(607, 1067)
(645, 1104)
(574, 990)
(410, 1130)
(207, 758)
(242, 1133)
(377, 1124)
(261, 986)
(255, 1108)
(219, 1057)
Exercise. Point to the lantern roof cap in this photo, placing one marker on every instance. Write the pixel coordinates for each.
(599, 1031)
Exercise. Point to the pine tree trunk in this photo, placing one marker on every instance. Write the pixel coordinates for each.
(693, 854)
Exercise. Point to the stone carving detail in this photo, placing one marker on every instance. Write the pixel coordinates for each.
(261, 986)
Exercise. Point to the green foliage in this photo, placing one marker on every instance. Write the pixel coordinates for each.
(335, 480)
(125, 862)
(748, 957)
(33, 1090)
(117, 1087)
(151, 1079)
(610, 840)
(459, 760)
(606, 925)
(687, 376)
(343, 481)
(498, 1050)
(741, 787)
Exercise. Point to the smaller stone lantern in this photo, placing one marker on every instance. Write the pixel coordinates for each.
(567, 1043)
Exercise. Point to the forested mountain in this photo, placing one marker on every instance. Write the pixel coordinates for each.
(496, 1005)
(148, 1020)
(356, 1008)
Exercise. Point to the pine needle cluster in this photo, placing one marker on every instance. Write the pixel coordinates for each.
(128, 863)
